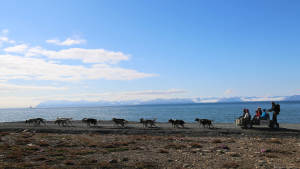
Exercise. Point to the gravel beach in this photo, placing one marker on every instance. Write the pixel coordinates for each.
(108, 146)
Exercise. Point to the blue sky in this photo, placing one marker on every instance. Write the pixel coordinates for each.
(139, 49)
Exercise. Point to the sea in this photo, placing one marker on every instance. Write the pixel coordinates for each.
(219, 112)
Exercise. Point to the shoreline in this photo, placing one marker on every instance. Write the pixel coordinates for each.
(135, 128)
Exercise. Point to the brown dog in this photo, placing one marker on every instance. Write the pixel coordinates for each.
(90, 121)
(148, 122)
(177, 123)
(121, 122)
(204, 122)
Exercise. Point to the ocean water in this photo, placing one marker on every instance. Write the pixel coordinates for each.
(219, 112)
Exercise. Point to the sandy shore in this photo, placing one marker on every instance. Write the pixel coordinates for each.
(191, 129)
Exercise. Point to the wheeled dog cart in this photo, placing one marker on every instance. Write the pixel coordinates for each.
(248, 124)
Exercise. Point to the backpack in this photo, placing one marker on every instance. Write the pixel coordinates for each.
(277, 108)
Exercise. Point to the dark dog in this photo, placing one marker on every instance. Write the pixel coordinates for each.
(148, 122)
(90, 121)
(121, 122)
(41, 120)
(36, 121)
(177, 123)
(30, 121)
(204, 122)
(63, 121)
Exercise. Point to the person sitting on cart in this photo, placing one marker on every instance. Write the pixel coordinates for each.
(258, 112)
(257, 116)
(265, 115)
(246, 117)
(244, 112)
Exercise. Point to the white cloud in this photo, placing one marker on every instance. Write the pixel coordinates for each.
(18, 67)
(12, 87)
(256, 99)
(17, 49)
(4, 38)
(137, 95)
(4, 31)
(143, 95)
(23, 62)
(157, 92)
(17, 101)
(228, 92)
(67, 42)
(140, 95)
(209, 101)
(86, 55)
(29, 67)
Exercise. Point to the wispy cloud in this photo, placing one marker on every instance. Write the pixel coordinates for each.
(12, 87)
(228, 92)
(142, 95)
(85, 55)
(157, 92)
(4, 38)
(26, 68)
(37, 63)
(17, 101)
(279, 98)
(13, 95)
(67, 42)
(138, 95)
(4, 31)
(17, 49)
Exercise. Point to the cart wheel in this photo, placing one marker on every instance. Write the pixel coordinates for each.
(271, 125)
(249, 126)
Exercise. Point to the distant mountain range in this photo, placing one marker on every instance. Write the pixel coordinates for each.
(293, 98)
(83, 103)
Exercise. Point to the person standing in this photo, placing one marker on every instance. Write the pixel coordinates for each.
(275, 109)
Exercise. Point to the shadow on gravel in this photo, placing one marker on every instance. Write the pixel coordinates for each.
(95, 127)
(215, 128)
(150, 128)
(275, 130)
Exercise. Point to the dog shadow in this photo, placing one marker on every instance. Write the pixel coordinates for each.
(275, 130)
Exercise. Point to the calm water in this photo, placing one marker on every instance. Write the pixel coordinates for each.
(219, 112)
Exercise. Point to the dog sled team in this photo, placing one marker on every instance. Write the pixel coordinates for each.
(147, 123)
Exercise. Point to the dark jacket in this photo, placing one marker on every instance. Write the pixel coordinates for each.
(275, 108)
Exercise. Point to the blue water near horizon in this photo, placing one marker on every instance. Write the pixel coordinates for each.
(219, 112)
